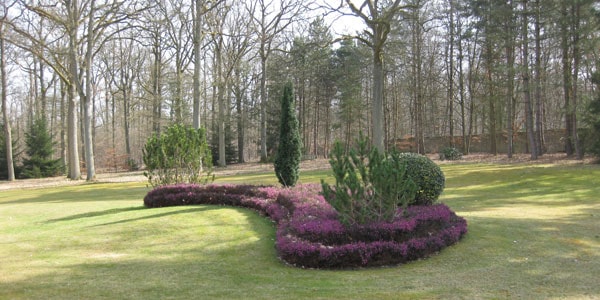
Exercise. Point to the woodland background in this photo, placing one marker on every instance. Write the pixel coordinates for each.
(481, 75)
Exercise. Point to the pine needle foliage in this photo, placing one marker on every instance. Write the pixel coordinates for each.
(369, 185)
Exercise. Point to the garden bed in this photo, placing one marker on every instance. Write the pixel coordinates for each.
(309, 233)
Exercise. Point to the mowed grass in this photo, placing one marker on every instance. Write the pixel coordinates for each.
(534, 233)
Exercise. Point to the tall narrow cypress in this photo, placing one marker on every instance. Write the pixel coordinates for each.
(289, 152)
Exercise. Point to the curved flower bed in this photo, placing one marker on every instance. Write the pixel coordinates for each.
(309, 234)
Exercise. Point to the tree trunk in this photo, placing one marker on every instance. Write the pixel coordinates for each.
(538, 82)
(178, 109)
(492, 105)
(156, 85)
(450, 60)
(74, 169)
(72, 124)
(239, 105)
(566, 74)
(63, 124)
(88, 99)
(6, 120)
(576, 12)
(263, 106)
(197, 63)
(510, 61)
(377, 104)
(526, 91)
(221, 86)
(126, 121)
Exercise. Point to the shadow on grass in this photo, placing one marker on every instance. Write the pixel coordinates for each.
(97, 214)
(164, 214)
(84, 193)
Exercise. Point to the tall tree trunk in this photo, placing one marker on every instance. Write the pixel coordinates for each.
(156, 85)
(221, 85)
(63, 124)
(491, 99)
(450, 60)
(538, 82)
(263, 106)
(377, 104)
(566, 74)
(526, 90)
(126, 121)
(576, 34)
(6, 120)
(239, 105)
(178, 109)
(72, 124)
(510, 64)
(197, 63)
(88, 99)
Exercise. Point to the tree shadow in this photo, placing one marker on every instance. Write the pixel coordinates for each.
(84, 193)
(164, 214)
(93, 214)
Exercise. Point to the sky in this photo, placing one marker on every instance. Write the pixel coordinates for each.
(342, 24)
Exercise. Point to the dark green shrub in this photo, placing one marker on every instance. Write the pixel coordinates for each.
(450, 153)
(39, 149)
(289, 153)
(369, 186)
(427, 176)
(179, 155)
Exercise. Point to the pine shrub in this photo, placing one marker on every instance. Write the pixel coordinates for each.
(369, 186)
(289, 153)
(427, 176)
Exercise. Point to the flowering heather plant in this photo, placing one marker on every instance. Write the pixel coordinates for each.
(310, 234)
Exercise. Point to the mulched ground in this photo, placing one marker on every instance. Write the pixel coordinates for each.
(316, 164)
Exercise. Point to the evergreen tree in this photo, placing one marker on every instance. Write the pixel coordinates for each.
(289, 152)
(39, 151)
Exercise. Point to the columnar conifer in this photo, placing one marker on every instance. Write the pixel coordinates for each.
(289, 152)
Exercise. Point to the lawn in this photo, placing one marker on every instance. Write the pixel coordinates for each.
(534, 233)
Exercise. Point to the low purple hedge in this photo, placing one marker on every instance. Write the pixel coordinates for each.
(309, 233)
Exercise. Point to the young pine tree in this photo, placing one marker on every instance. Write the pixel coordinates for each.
(287, 161)
(39, 162)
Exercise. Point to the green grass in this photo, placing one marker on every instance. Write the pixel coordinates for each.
(534, 233)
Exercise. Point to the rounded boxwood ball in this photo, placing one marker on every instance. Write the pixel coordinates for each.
(427, 176)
